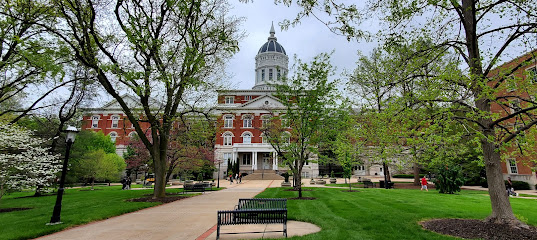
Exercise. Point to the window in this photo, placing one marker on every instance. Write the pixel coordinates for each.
(264, 138)
(532, 74)
(115, 121)
(265, 120)
(95, 121)
(228, 139)
(229, 99)
(113, 136)
(132, 134)
(285, 121)
(513, 169)
(228, 121)
(246, 137)
(247, 121)
(246, 159)
(247, 98)
(511, 83)
(279, 74)
(270, 74)
(286, 137)
(263, 75)
(515, 106)
(227, 157)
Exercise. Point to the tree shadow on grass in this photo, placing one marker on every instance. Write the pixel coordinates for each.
(4, 210)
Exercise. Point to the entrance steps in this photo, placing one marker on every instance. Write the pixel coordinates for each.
(269, 175)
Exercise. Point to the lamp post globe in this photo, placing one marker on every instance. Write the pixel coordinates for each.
(69, 140)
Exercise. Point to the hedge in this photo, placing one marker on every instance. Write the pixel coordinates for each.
(406, 175)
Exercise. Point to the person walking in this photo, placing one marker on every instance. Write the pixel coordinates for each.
(509, 187)
(424, 184)
(230, 179)
(128, 181)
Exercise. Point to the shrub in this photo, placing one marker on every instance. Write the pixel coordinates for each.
(520, 185)
(406, 175)
(449, 179)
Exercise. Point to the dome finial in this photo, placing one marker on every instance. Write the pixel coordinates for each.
(272, 32)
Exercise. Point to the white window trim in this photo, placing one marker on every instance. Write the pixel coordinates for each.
(95, 121)
(114, 121)
(231, 120)
(245, 160)
(224, 136)
(245, 118)
(229, 99)
(534, 70)
(243, 135)
(510, 168)
(113, 138)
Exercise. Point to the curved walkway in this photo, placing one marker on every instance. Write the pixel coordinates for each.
(191, 218)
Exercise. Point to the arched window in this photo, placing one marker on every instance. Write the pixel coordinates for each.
(113, 136)
(246, 137)
(264, 138)
(95, 121)
(262, 74)
(228, 139)
(132, 134)
(247, 121)
(228, 121)
(286, 137)
(265, 120)
(115, 121)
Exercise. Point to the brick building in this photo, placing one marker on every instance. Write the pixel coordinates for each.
(515, 93)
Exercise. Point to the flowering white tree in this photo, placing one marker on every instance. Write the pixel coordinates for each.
(24, 163)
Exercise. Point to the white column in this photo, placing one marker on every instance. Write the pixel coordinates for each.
(274, 161)
(234, 156)
(254, 160)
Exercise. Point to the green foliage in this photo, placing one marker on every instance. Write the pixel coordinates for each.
(449, 179)
(519, 185)
(87, 141)
(406, 175)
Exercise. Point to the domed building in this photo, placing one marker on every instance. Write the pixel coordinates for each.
(243, 113)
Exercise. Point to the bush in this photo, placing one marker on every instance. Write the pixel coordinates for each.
(520, 185)
(406, 175)
(449, 179)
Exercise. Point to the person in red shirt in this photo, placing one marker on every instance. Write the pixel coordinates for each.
(424, 184)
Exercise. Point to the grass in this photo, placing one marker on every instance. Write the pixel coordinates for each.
(388, 213)
(79, 206)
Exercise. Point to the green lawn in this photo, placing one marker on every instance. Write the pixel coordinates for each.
(79, 206)
(387, 213)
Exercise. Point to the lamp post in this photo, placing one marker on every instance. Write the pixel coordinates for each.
(218, 180)
(69, 140)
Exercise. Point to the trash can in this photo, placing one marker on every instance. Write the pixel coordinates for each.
(381, 184)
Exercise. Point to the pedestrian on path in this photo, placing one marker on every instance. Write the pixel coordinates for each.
(230, 179)
(424, 184)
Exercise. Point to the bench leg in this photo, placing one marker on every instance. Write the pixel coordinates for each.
(217, 231)
(285, 229)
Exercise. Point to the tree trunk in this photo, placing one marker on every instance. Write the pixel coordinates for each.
(160, 176)
(501, 207)
(416, 168)
(92, 183)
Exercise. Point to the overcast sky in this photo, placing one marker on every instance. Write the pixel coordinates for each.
(307, 40)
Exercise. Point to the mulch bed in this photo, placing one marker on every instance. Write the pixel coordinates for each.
(303, 190)
(3, 210)
(473, 228)
(167, 199)
(302, 198)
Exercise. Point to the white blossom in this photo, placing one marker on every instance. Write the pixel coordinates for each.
(24, 162)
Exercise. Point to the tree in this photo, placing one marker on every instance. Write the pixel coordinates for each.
(469, 28)
(309, 100)
(84, 154)
(348, 148)
(99, 165)
(24, 162)
(170, 48)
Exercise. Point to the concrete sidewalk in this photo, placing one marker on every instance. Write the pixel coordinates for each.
(191, 218)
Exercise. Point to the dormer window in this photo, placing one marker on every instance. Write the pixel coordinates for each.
(229, 99)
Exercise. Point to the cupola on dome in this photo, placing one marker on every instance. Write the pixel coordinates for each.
(272, 44)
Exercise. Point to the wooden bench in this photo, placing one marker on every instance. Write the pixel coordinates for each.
(255, 211)
(196, 187)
